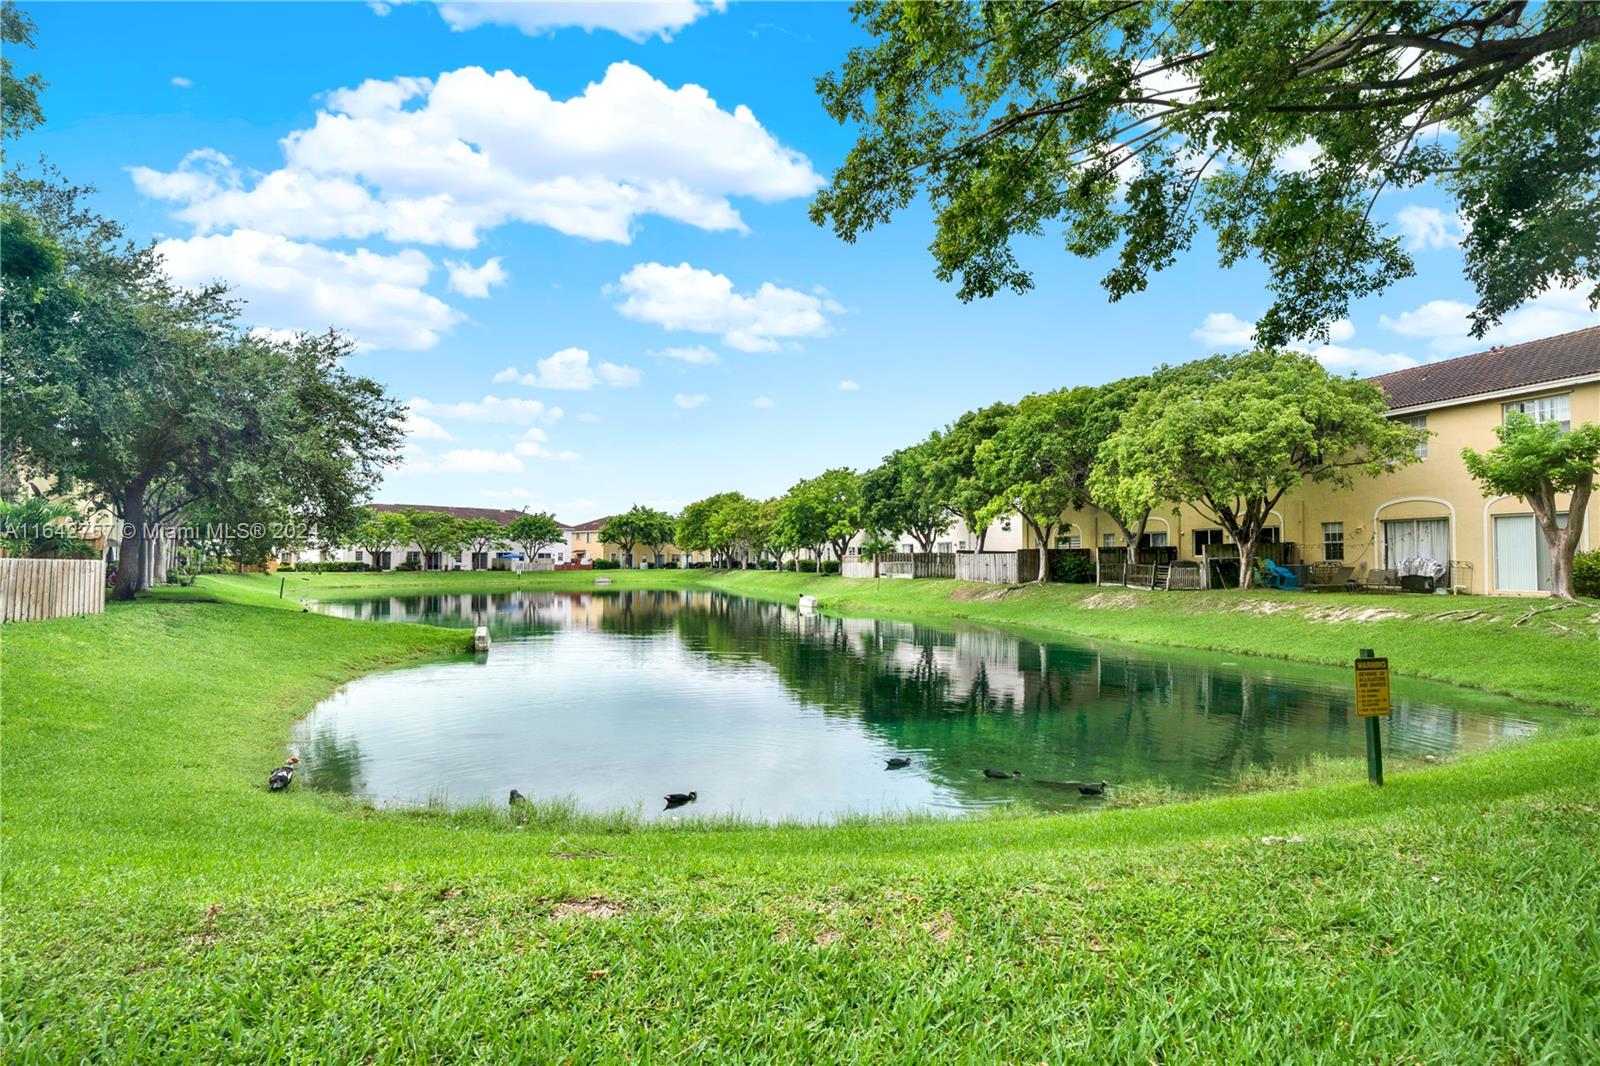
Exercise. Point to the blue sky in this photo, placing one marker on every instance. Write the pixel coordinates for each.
(612, 201)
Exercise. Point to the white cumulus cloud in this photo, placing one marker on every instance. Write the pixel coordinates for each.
(478, 461)
(180, 82)
(689, 403)
(849, 386)
(695, 354)
(570, 369)
(637, 20)
(420, 428)
(290, 285)
(1225, 329)
(1428, 227)
(475, 281)
(490, 409)
(438, 161)
(684, 297)
(763, 402)
(1445, 325)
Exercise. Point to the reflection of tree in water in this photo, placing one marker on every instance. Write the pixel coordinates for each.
(333, 762)
(964, 699)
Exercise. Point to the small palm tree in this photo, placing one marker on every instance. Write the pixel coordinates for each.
(36, 528)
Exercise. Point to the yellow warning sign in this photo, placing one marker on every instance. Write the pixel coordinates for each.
(1372, 687)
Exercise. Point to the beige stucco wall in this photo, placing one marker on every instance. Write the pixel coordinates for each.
(1437, 487)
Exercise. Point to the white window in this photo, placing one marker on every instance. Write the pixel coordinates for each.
(1108, 540)
(1068, 540)
(361, 556)
(1153, 540)
(1544, 409)
(1418, 422)
(946, 548)
(1333, 542)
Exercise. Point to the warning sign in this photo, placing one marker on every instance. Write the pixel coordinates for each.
(1372, 687)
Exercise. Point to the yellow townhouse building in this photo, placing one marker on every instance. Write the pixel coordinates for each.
(1428, 518)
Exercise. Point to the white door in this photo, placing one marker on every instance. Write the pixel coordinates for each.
(1516, 559)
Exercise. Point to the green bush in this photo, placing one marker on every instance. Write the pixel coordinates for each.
(1070, 567)
(409, 564)
(606, 564)
(1586, 573)
(806, 566)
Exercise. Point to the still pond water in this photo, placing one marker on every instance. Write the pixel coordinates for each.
(614, 698)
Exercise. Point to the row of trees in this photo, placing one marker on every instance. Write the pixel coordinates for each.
(438, 532)
(1229, 435)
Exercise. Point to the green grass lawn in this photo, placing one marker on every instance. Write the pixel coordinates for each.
(160, 905)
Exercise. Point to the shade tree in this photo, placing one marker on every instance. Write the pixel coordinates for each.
(1538, 462)
(1231, 434)
(533, 532)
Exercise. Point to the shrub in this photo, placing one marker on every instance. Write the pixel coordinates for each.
(830, 566)
(1069, 567)
(409, 564)
(806, 566)
(1586, 573)
(606, 564)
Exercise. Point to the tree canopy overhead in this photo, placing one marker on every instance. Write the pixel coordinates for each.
(1127, 125)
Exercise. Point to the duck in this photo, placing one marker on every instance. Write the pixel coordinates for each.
(678, 799)
(898, 762)
(1088, 788)
(1001, 775)
(516, 798)
(279, 779)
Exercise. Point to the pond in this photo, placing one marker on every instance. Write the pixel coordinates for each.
(615, 698)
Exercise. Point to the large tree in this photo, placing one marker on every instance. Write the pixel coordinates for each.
(1231, 434)
(910, 492)
(825, 510)
(483, 535)
(380, 531)
(1277, 126)
(694, 531)
(155, 400)
(638, 525)
(436, 533)
(956, 452)
(533, 532)
(19, 96)
(1539, 462)
(1039, 463)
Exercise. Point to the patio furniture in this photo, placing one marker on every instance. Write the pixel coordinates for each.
(1380, 581)
(1274, 576)
(1330, 577)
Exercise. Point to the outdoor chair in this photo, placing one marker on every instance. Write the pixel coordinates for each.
(1274, 576)
(1380, 581)
(1330, 577)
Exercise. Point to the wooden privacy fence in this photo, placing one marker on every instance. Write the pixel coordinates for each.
(903, 564)
(32, 590)
(994, 568)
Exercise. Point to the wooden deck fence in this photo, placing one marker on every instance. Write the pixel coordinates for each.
(32, 590)
(903, 564)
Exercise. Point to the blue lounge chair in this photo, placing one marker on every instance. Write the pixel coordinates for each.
(1276, 577)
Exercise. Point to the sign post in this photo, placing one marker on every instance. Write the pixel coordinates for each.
(1372, 703)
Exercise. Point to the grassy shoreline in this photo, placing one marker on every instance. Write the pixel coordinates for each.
(1488, 643)
(159, 905)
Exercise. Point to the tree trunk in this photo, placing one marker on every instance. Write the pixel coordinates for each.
(1247, 559)
(1042, 533)
(1563, 542)
(131, 554)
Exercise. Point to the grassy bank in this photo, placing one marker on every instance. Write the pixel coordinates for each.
(159, 905)
(1533, 649)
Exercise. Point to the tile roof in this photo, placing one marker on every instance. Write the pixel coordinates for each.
(590, 526)
(498, 514)
(1512, 366)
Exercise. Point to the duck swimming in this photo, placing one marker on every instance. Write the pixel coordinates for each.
(678, 799)
(1090, 789)
(279, 779)
(1001, 775)
(898, 762)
